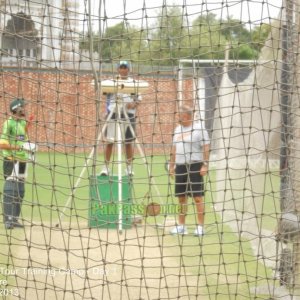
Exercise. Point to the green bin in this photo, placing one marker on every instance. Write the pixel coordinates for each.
(105, 205)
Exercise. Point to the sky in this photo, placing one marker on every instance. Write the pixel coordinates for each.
(142, 12)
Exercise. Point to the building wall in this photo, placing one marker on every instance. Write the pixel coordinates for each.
(57, 39)
(65, 115)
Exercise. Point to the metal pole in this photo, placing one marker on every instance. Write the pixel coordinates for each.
(179, 85)
(284, 106)
(290, 135)
(293, 11)
(119, 107)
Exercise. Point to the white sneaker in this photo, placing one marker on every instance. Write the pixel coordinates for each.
(199, 231)
(129, 171)
(105, 171)
(179, 229)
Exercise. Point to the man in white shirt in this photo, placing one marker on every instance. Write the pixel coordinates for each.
(127, 108)
(189, 163)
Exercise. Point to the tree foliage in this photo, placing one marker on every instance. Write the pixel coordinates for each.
(169, 40)
(173, 36)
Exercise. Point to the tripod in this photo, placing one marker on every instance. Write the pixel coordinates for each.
(120, 130)
(121, 120)
(116, 131)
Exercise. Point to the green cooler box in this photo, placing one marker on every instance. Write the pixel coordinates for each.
(105, 212)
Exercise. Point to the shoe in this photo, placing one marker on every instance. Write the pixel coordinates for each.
(129, 171)
(179, 229)
(17, 225)
(9, 225)
(105, 171)
(199, 231)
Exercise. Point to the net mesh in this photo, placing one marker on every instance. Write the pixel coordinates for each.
(88, 236)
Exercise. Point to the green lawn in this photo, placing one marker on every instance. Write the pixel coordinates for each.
(225, 256)
(52, 181)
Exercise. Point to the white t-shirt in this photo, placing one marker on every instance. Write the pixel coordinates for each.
(124, 99)
(189, 143)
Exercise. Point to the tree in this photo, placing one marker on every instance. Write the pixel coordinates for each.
(124, 41)
(259, 35)
(234, 30)
(119, 41)
(243, 51)
(239, 38)
(207, 42)
(85, 41)
(169, 39)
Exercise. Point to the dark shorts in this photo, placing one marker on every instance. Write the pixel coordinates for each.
(8, 166)
(129, 135)
(188, 180)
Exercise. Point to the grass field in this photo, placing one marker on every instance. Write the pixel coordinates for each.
(225, 258)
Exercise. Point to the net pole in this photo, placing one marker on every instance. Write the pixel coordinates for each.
(119, 149)
(120, 139)
(293, 14)
(179, 84)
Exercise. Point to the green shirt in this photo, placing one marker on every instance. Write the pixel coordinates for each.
(14, 133)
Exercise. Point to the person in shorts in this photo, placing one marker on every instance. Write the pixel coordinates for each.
(127, 118)
(189, 163)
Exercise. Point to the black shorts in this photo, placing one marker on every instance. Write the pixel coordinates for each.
(128, 133)
(8, 167)
(188, 180)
